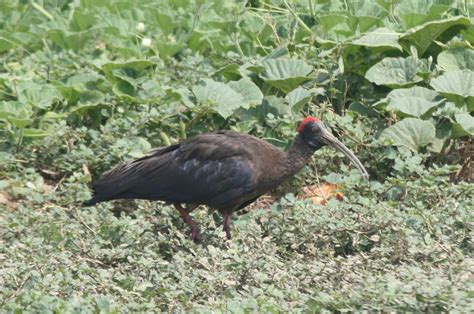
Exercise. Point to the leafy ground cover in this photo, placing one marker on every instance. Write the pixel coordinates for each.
(85, 85)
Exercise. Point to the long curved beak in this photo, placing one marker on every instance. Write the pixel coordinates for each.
(329, 139)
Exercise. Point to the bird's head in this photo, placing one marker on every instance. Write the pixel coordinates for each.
(315, 134)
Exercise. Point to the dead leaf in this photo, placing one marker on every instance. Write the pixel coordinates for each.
(85, 170)
(320, 194)
(5, 199)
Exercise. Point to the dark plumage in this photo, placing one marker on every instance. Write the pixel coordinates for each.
(225, 170)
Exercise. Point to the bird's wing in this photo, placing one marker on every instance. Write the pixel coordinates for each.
(208, 169)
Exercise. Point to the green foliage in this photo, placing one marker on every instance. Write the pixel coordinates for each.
(87, 84)
(400, 244)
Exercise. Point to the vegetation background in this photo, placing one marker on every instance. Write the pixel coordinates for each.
(87, 84)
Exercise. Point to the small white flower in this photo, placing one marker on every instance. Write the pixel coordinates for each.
(140, 27)
(146, 42)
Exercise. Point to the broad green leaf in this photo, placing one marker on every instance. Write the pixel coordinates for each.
(38, 95)
(34, 133)
(328, 21)
(230, 71)
(127, 76)
(82, 87)
(84, 109)
(455, 85)
(414, 101)
(361, 54)
(285, 74)
(297, 98)
(82, 20)
(165, 22)
(182, 94)
(413, 106)
(410, 132)
(468, 33)
(396, 72)
(276, 104)
(69, 93)
(456, 59)
(277, 53)
(19, 122)
(464, 125)
(167, 49)
(300, 96)
(415, 91)
(380, 37)
(5, 44)
(14, 108)
(424, 35)
(362, 109)
(133, 146)
(224, 98)
(85, 80)
(69, 40)
(250, 92)
(128, 71)
(414, 13)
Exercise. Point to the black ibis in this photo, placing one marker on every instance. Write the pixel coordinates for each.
(225, 170)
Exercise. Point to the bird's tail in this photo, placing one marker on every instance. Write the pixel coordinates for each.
(90, 202)
(101, 192)
(95, 196)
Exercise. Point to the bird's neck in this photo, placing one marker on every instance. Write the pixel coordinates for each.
(298, 155)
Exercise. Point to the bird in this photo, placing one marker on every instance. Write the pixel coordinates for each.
(225, 170)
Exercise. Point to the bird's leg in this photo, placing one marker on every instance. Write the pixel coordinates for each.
(227, 222)
(195, 235)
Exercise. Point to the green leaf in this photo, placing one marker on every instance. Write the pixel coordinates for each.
(300, 96)
(167, 49)
(126, 77)
(464, 125)
(424, 35)
(380, 37)
(5, 44)
(414, 101)
(230, 71)
(456, 59)
(414, 13)
(69, 40)
(14, 108)
(38, 95)
(396, 72)
(20, 122)
(182, 94)
(82, 20)
(285, 74)
(410, 132)
(362, 109)
(361, 54)
(455, 85)
(413, 106)
(133, 146)
(84, 109)
(250, 92)
(34, 133)
(127, 71)
(224, 98)
(415, 91)
(468, 33)
(276, 106)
